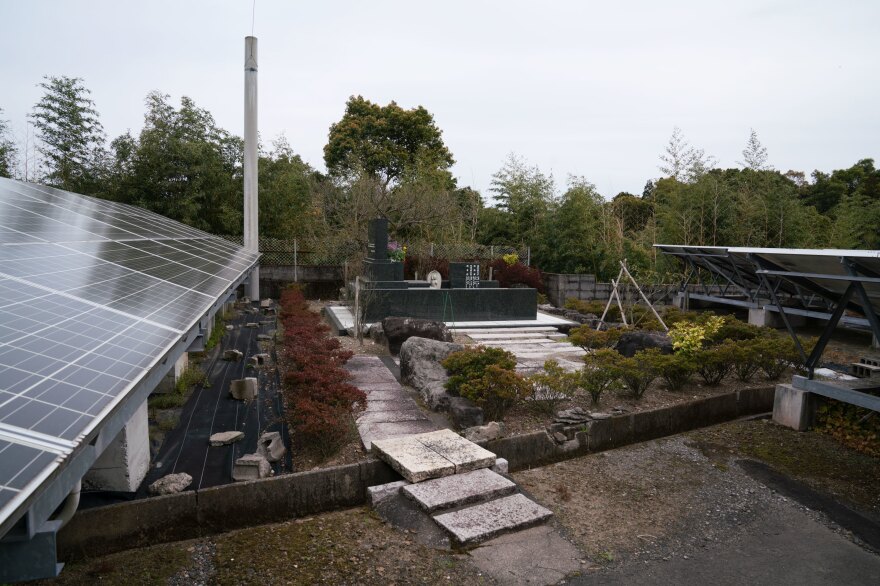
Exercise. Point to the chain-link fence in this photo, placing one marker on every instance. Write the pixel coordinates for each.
(296, 252)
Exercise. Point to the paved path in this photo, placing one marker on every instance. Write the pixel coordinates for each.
(532, 346)
(390, 412)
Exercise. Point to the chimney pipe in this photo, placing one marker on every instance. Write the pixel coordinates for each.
(251, 201)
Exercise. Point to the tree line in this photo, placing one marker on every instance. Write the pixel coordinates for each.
(392, 162)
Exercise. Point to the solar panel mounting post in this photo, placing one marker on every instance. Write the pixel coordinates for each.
(251, 201)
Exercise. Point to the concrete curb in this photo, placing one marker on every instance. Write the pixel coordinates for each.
(192, 514)
(539, 447)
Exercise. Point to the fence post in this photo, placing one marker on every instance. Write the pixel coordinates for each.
(492, 252)
(295, 261)
(432, 249)
(528, 256)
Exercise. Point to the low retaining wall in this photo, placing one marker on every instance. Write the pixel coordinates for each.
(539, 447)
(192, 514)
(560, 287)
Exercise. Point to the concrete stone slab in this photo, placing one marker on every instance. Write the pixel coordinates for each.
(388, 395)
(539, 555)
(465, 455)
(412, 459)
(390, 417)
(487, 520)
(458, 490)
(377, 494)
(402, 403)
(224, 438)
(379, 431)
(372, 387)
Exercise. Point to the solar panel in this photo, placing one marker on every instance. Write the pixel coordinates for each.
(93, 294)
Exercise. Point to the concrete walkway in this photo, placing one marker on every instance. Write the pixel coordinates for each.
(532, 346)
(389, 412)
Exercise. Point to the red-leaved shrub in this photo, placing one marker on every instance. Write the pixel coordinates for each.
(516, 274)
(317, 398)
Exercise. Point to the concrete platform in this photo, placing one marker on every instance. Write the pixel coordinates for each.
(412, 459)
(430, 455)
(464, 454)
(341, 318)
(458, 490)
(487, 520)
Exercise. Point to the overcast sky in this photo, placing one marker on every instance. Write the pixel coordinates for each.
(575, 87)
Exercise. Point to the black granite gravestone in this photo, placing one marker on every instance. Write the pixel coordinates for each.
(378, 267)
(464, 275)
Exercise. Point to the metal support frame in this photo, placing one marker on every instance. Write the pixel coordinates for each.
(28, 544)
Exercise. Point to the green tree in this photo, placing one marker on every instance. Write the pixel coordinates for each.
(8, 152)
(386, 142)
(755, 154)
(527, 194)
(576, 226)
(288, 207)
(70, 135)
(182, 166)
(683, 162)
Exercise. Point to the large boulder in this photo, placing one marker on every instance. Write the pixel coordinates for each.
(635, 341)
(397, 330)
(420, 360)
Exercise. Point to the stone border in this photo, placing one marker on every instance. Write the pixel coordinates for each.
(539, 447)
(192, 514)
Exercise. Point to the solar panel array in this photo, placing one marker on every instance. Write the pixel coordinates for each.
(92, 294)
(825, 272)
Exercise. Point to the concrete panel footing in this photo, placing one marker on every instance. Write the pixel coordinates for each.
(124, 463)
(792, 407)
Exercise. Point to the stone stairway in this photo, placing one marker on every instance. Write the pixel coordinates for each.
(389, 411)
(450, 479)
(531, 346)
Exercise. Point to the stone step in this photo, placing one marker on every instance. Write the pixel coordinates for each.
(523, 342)
(424, 456)
(458, 490)
(487, 520)
(469, 331)
(506, 336)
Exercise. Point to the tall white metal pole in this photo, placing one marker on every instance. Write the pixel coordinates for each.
(251, 201)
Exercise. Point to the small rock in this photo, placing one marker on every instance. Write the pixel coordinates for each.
(244, 389)
(233, 355)
(600, 415)
(501, 466)
(252, 324)
(271, 447)
(171, 484)
(224, 438)
(484, 433)
(251, 467)
(229, 328)
(560, 437)
(264, 337)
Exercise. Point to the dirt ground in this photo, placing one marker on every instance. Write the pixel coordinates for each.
(660, 499)
(632, 510)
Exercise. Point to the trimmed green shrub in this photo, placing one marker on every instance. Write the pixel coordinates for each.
(594, 307)
(472, 363)
(496, 391)
(777, 354)
(746, 356)
(637, 373)
(676, 370)
(552, 386)
(715, 362)
(600, 373)
(589, 338)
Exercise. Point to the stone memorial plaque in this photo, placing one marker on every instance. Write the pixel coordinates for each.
(435, 280)
(464, 275)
